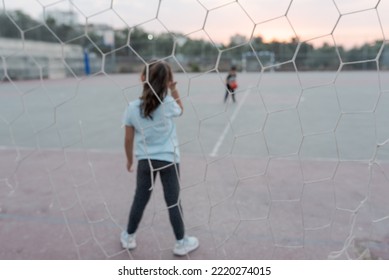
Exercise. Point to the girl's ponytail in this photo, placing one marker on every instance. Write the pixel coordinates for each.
(157, 77)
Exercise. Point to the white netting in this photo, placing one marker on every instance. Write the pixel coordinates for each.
(297, 168)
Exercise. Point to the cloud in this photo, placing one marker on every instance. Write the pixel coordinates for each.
(222, 19)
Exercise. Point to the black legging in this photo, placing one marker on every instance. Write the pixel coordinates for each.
(169, 174)
(228, 91)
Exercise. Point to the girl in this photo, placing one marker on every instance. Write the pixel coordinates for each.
(149, 124)
(231, 84)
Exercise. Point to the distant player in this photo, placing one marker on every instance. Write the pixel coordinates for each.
(231, 84)
(149, 125)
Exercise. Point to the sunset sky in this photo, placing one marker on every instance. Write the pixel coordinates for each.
(349, 22)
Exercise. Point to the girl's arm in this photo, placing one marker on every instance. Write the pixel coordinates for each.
(176, 95)
(129, 146)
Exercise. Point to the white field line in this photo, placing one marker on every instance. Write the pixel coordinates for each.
(227, 128)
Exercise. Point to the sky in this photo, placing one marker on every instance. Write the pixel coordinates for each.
(346, 22)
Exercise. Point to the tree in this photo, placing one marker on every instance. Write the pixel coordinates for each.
(8, 27)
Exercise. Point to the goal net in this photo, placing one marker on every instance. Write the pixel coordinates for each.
(296, 168)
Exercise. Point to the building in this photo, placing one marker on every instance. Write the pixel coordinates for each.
(24, 59)
(63, 17)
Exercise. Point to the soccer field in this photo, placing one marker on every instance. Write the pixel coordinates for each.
(296, 168)
(285, 110)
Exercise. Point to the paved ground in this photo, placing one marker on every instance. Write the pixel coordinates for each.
(293, 170)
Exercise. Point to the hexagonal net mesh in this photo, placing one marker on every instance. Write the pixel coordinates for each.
(296, 168)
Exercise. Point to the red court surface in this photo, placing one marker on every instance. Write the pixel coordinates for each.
(74, 204)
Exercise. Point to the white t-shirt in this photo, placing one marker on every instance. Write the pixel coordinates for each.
(155, 138)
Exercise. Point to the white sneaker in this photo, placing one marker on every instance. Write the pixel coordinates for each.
(186, 245)
(127, 240)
